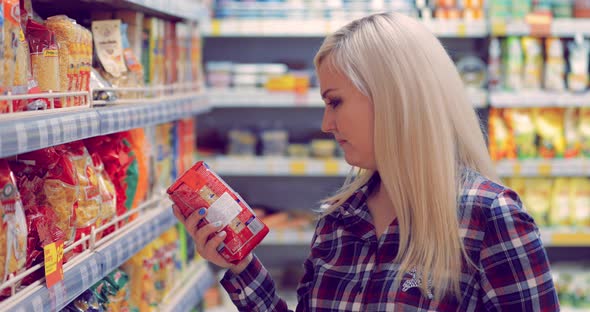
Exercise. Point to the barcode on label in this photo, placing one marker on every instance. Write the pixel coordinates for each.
(255, 226)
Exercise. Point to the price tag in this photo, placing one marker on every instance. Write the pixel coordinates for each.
(499, 28)
(216, 27)
(297, 167)
(540, 24)
(331, 167)
(53, 254)
(570, 239)
(545, 169)
(462, 30)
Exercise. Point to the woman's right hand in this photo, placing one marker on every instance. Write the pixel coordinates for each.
(207, 240)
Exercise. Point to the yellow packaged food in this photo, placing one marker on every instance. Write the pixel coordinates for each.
(533, 62)
(537, 199)
(519, 186)
(580, 197)
(66, 34)
(44, 56)
(501, 139)
(549, 122)
(584, 131)
(573, 143)
(523, 128)
(560, 212)
(89, 203)
(13, 226)
(108, 194)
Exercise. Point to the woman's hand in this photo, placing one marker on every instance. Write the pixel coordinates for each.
(207, 239)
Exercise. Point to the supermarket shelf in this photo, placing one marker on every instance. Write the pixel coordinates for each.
(92, 265)
(288, 237)
(566, 237)
(321, 28)
(184, 9)
(195, 281)
(248, 98)
(544, 168)
(561, 27)
(539, 99)
(28, 131)
(277, 166)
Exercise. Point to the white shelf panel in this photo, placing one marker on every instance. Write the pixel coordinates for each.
(560, 27)
(92, 265)
(236, 98)
(277, 166)
(320, 28)
(539, 99)
(184, 9)
(190, 290)
(248, 98)
(544, 168)
(565, 237)
(28, 131)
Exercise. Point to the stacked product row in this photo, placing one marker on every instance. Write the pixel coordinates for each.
(60, 193)
(120, 49)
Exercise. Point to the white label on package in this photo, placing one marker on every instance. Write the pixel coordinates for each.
(224, 209)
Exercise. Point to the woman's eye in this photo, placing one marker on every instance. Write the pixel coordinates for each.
(334, 102)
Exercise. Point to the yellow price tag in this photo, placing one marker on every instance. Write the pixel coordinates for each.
(517, 169)
(53, 254)
(216, 27)
(570, 239)
(499, 28)
(545, 169)
(331, 167)
(462, 30)
(297, 167)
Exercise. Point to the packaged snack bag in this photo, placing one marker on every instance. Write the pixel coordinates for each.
(580, 195)
(513, 64)
(560, 213)
(108, 207)
(533, 63)
(13, 226)
(555, 65)
(577, 79)
(537, 199)
(501, 139)
(573, 142)
(584, 131)
(521, 122)
(550, 127)
(200, 187)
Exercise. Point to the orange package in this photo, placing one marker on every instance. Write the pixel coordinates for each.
(501, 138)
(201, 187)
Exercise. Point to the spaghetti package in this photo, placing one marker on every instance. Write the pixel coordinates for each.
(501, 139)
(44, 56)
(89, 198)
(549, 123)
(13, 226)
(201, 187)
(66, 34)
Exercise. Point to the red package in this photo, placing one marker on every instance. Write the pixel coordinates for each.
(201, 187)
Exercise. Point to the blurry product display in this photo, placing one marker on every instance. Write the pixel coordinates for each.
(555, 202)
(572, 283)
(526, 133)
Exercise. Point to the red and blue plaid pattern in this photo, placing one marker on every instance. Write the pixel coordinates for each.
(349, 269)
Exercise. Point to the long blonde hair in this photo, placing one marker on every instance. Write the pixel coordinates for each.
(425, 130)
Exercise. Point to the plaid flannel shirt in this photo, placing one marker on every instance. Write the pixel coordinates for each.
(349, 269)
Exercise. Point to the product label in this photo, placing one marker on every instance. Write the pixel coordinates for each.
(224, 209)
(50, 53)
(53, 254)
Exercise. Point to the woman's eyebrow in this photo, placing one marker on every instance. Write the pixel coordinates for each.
(326, 92)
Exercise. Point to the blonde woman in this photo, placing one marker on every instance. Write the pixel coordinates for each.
(424, 225)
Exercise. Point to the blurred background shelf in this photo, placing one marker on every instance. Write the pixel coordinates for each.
(544, 168)
(538, 99)
(277, 166)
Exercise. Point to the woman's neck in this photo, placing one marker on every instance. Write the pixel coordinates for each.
(381, 209)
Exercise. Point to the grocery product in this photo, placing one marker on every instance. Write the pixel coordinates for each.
(89, 197)
(584, 130)
(116, 291)
(494, 65)
(44, 56)
(241, 142)
(537, 199)
(140, 270)
(549, 123)
(571, 134)
(559, 212)
(554, 65)
(578, 64)
(513, 64)
(533, 63)
(108, 194)
(580, 194)
(523, 129)
(200, 187)
(66, 34)
(86, 302)
(163, 156)
(501, 141)
(13, 226)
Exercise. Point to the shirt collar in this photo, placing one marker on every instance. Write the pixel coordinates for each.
(357, 203)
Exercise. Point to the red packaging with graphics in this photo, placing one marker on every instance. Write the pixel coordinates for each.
(201, 187)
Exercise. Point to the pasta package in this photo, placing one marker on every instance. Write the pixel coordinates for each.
(200, 187)
(523, 127)
(13, 227)
(44, 56)
(89, 203)
(549, 123)
(501, 139)
(108, 194)
(537, 199)
(66, 34)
